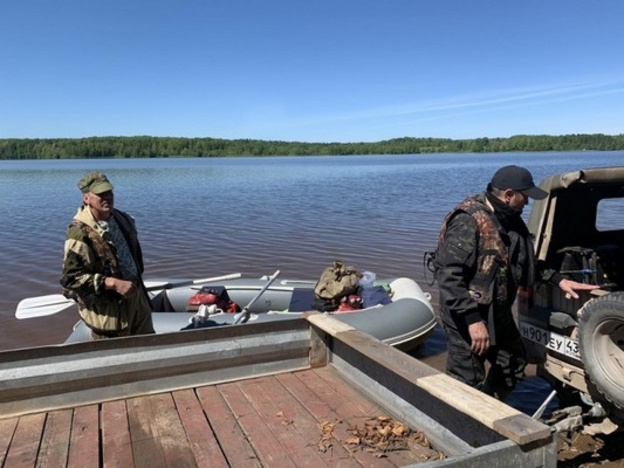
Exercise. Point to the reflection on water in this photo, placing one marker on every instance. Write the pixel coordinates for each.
(434, 346)
(529, 396)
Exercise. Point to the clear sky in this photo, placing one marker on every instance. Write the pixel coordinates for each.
(310, 70)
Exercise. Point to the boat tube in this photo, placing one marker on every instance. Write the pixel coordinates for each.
(405, 322)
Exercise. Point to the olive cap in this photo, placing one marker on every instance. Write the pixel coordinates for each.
(96, 182)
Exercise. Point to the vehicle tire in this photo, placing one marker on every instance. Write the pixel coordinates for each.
(601, 342)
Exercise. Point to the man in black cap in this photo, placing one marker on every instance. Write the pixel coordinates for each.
(484, 259)
(103, 264)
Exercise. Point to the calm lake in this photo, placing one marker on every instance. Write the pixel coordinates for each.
(202, 217)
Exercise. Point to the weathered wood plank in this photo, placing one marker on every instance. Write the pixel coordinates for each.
(477, 404)
(494, 414)
(356, 406)
(232, 440)
(417, 453)
(201, 439)
(26, 439)
(171, 435)
(328, 324)
(116, 442)
(7, 428)
(353, 408)
(323, 410)
(293, 412)
(521, 429)
(54, 449)
(84, 446)
(296, 446)
(269, 450)
(146, 450)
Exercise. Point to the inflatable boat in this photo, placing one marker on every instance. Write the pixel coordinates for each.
(404, 321)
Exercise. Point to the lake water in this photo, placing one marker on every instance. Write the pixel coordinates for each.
(202, 217)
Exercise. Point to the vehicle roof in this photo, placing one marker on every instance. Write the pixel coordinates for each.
(592, 176)
(567, 215)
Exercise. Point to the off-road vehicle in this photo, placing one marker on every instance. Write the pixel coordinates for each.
(578, 344)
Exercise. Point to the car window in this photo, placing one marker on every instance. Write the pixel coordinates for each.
(610, 214)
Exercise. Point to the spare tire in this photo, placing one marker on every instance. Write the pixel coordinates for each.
(601, 342)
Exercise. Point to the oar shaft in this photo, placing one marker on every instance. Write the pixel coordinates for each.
(42, 306)
(243, 316)
(179, 284)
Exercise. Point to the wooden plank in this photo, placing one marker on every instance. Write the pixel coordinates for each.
(146, 450)
(298, 448)
(171, 435)
(494, 414)
(116, 442)
(389, 358)
(319, 353)
(200, 436)
(54, 449)
(323, 409)
(26, 439)
(232, 440)
(416, 453)
(482, 408)
(269, 450)
(354, 406)
(7, 429)
(353, 409)
(328, 324)
(84, 445)
(522, 429)
(292, 412)
(466, 399)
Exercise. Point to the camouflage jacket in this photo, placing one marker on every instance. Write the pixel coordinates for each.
(89, 257)
(472, 264)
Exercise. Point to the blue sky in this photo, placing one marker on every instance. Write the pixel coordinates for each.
(314, 71)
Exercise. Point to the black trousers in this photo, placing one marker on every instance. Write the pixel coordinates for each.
(506, 359)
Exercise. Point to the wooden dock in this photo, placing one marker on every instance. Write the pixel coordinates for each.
(307, 392)
(304, 418)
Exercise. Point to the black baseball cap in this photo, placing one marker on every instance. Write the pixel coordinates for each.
(519, 179)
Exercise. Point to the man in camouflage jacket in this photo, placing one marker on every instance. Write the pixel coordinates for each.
(484, 259)
(103, 264)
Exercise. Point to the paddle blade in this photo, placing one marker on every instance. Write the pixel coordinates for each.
(41, 306)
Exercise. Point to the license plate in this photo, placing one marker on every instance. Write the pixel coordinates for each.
(554, 341)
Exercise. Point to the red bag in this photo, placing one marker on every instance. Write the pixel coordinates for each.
(213, 295)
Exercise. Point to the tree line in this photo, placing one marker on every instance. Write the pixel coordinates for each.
(156, 147)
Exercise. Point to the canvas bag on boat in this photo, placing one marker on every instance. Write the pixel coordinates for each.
(337, 282)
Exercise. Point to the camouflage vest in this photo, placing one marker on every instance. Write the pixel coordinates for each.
(492, 262)
(106, 261)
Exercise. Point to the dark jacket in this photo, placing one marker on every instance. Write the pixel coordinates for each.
(479, 264)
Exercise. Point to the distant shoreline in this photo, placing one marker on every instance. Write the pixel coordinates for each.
(164, 147)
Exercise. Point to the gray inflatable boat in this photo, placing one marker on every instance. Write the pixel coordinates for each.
(405, 322)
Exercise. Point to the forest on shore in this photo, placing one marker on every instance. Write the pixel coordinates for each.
(156, 147)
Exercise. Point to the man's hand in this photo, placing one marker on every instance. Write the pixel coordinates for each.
(480, 338)
(124, 288)
(570, 287)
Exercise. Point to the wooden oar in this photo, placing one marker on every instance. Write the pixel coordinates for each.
(41, 306)
(243, 316)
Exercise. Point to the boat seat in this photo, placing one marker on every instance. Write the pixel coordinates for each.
(302, 300)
